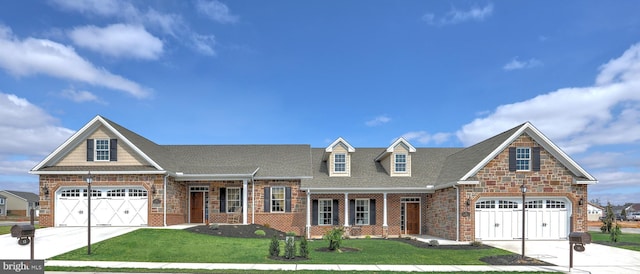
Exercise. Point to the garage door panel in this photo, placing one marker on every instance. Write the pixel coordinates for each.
(109, 207)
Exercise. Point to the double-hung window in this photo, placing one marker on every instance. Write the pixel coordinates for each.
(1, 201)
(325, 212)
(340, 162)
(362, 212)
(102, 149)
(401, 163)
(233, 199)
(523, 159)
(277, 199)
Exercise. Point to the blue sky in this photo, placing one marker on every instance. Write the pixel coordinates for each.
(439, 73)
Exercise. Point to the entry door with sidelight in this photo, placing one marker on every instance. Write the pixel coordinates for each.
(198, 201)
(410, 215)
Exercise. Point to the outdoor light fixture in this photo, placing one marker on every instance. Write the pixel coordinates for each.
(523, 188)
(468, 202)
(581, 202)
(89, 181)
(153, 189)
(45, 190)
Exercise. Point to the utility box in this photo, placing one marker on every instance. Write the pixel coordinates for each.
(23, 230)
(579, 238)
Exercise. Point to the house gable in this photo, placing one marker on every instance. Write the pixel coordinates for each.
(73, 152)
(396, 159)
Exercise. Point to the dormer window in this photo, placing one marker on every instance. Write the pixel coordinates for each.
(401, 163)
(340, 162)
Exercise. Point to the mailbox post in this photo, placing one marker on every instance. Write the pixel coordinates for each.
(577, 240)
(25, 233)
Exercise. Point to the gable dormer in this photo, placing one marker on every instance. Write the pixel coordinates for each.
(396, 159)
(338, 158)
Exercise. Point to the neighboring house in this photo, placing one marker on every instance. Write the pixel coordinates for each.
(19, 203)
(3, 205)
(464, 194)
(594, 212)
(632, 208)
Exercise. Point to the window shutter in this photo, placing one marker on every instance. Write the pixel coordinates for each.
(314, 212)
(352, 212)
(336, 213)
(113, 150)
(267, 199)
(372, 212)
(89, 150)
(287, 199)
(512, 159)
(223, 200)
(535, 158)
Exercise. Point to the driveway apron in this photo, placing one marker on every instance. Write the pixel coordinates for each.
(53, 241)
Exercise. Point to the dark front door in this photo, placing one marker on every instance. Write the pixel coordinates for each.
(196, 207)
(413, 218)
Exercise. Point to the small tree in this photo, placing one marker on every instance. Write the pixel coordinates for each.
(615, 233)
(334, 236)
(608, 220)
(623, 214)
(274, 247)
(290, 248)
(304, 248)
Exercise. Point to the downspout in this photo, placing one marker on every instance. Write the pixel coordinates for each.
(164, 199)
(457, 213)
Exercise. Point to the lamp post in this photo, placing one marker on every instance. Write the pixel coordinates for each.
(89, 181)
(523, 188)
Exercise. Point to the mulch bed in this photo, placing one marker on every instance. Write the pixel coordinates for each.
(248, 231)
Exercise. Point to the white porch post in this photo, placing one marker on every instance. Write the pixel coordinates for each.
(308, 214)
(244, 201)
(346, 209)
(384, 212)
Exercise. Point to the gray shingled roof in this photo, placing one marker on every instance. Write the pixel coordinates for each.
(426, 164)
(30, 197)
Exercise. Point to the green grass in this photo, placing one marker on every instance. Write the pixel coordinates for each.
(628, 241)
(167, 270)
(158, 245)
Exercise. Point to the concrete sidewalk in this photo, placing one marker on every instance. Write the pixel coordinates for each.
(294, 267)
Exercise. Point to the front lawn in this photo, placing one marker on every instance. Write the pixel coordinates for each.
(159, 245)
(627, 241)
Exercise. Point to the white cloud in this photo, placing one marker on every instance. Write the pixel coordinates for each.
(517, 64)
(203, 44)
(216, 10)
(382, 119)
(26, 129)
(455, 16)
(576, 118)
(118, 40)
(423, 137)
(79, 96)
(33, 56)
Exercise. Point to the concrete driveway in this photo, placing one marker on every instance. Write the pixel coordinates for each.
(53, 241)
(595, 259)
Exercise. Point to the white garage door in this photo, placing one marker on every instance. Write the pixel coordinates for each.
(501, 219)
(110, 206)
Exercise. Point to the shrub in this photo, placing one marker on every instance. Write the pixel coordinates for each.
(260, 232)
(434, 243)
(608, 220)
(304, 248)
(214, 226)
(274, 247)
(476, 243)
(290, 248)
(291, 233)
(266, 225)
(367, 237)
(334, 236)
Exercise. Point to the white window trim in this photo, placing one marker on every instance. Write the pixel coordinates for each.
(95, 150)
(366, 221)
(1, 201)
(284, 199)
(395, 163)
(320, 212)
(335, 163)
(229, 200)
(523, 159)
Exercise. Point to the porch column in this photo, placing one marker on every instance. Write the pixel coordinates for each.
(346, 209)
(245, 201)
(384, 212)
(308, 214)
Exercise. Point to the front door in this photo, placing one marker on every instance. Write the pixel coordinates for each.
(413, 218)
(196, 207)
